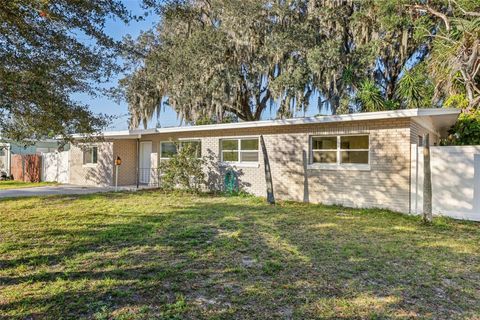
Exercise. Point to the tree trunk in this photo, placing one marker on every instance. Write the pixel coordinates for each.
(427, 181)
(268, 173)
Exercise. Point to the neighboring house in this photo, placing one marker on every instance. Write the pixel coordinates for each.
(9, 148)
(357, 160)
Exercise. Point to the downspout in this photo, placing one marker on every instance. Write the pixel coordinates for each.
(138, 162)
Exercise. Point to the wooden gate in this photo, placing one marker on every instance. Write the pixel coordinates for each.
(26, 167)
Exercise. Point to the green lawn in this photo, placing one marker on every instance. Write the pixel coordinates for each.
(10, 184)
(149, 255)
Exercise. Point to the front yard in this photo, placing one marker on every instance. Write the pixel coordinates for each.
(10, 184)
(150, 255)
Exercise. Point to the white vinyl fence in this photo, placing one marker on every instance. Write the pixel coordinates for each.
(455, 181)
(55, 167)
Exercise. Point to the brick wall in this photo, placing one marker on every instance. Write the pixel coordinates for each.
(417, 131)
(385, 184)
(127, 151)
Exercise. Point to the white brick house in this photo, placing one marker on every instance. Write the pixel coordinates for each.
(357, 160)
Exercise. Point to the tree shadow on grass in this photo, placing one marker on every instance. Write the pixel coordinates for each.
(242, 260)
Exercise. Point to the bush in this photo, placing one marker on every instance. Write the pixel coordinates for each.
(183, 170)
(466, 130)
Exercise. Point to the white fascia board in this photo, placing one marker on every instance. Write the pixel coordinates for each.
(437, 112)
(124, 134)
(365, 116)
(392, 114)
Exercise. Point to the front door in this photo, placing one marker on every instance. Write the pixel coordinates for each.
(145, 162)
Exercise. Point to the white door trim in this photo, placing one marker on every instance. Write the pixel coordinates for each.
(145, 163)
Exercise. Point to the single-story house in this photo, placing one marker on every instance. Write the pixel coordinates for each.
(356, 160)
(9, 148)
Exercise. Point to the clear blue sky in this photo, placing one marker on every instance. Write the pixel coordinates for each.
(117, 29)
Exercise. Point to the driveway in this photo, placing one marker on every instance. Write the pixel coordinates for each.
(64, 189)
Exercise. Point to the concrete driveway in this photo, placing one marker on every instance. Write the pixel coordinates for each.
(63, 189)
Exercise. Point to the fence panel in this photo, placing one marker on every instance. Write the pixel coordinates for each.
(455, 181)
(26, 167)
(56, 167)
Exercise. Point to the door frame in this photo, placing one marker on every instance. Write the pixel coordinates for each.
(141, 159)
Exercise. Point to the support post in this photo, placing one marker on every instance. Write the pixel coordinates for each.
(268, 173)
(116, 177)
(427, 181)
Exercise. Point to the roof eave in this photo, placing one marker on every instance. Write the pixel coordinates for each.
(452, 114)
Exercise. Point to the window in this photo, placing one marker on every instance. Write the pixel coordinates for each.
(169, 149)
(354, 149)
(239, 150)
(194, 145)
(340, 150)
(324, 149)
(90, 155)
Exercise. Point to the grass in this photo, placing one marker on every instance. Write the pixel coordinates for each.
(150, 255)
(10, 184)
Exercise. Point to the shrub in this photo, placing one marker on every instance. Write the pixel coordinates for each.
(183, 170)
(466, 130)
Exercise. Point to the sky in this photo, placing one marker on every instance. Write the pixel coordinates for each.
(103, 104)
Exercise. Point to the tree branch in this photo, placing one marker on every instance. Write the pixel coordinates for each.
(262, 105)
(467, 13)
(434, 12)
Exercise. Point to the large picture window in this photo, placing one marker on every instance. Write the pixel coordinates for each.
(340, 150)
(239, 150)
(169, 148)
(90, 155)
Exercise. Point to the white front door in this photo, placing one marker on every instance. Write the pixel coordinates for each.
(145, 166)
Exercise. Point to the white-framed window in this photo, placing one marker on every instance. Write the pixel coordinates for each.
(324, 150)
(340, 151)
(90, 155)
(169, 148)
(239, 150)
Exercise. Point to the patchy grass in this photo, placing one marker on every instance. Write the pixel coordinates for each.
(10, 184)
(149, 255)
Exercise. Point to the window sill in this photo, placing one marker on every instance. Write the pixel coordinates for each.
(168, 159)
(240, 164)
(339, 167)
(89, 165)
